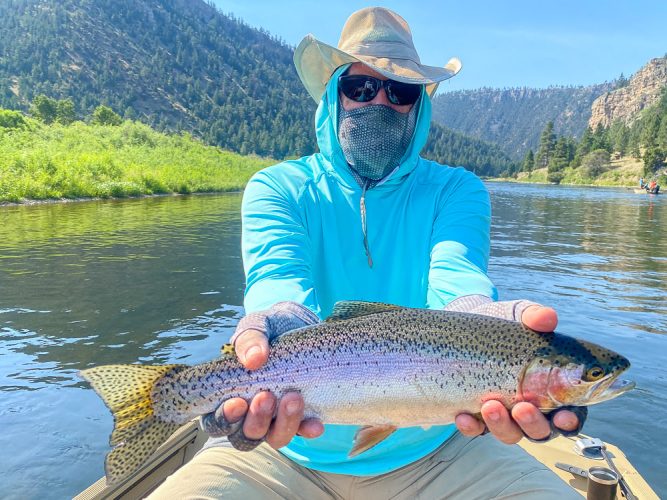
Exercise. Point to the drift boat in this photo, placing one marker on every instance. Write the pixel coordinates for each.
(189, 439)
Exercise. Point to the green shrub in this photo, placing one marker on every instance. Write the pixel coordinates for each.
(77, 160)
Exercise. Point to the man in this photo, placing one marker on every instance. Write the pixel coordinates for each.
(366, 219)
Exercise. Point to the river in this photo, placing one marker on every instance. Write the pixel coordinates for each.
(159, 280)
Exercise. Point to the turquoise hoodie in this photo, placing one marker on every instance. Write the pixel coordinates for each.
(428, 234)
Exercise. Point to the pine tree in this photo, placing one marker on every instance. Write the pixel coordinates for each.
(104, 115)
(584, 147)
(600, 139)
(65, 111)
(547, 144)
(528, 162)
(622, 81)
(653, 158)
(561, 155)
(44, 109)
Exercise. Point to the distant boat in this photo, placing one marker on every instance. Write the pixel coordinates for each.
(643, 191)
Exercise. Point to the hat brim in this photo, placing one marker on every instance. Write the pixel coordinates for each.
(316, 61)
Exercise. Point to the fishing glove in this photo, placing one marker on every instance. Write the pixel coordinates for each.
(512, 310)
(280, 318)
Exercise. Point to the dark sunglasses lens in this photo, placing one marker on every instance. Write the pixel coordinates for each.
(363, 88)
(359, 88)
(402, 93)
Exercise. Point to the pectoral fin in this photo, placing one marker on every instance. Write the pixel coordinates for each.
(369, 436)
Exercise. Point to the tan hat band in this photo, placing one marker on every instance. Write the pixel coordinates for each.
(390, 50)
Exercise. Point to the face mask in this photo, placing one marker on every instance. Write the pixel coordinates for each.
(374, 138)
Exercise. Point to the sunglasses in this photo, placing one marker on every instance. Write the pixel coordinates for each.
(364, 88)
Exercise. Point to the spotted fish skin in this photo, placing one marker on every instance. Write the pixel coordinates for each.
(403, 366)
(382, 365)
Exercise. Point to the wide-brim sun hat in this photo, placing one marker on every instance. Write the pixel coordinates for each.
(376, 37)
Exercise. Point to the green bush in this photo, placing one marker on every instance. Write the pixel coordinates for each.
(555, 177)
(594, 163)
(77, 160)
(12, 120)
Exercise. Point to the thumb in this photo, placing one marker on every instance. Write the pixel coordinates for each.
(540, 318)
(252, 349)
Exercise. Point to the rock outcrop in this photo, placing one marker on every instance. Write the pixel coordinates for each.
(643, 90)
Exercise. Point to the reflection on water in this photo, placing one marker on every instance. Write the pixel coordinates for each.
(153, 280)
(160, 280)
(599, 258)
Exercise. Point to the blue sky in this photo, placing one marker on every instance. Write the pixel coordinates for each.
(501, 43)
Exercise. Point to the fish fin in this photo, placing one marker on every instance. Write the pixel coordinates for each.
(126, 390)
(129, 455)
(347, 309)
(368, 436)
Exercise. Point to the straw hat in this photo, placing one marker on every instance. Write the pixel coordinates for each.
(373, 36)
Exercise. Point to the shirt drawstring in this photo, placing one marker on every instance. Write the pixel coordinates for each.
(362, 209)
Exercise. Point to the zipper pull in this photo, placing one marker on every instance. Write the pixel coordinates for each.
(362, 210)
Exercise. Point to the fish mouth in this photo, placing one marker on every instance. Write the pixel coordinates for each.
(608, 388)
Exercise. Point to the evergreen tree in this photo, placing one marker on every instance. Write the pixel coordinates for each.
(65, 111)
(104, 115)
(661, 137)
(528, 162)
(599, 139)
(547, 144)
(654, 159)
(129, 113)
(618, 136)
(584, 147)
(562, 154)
(44, 108)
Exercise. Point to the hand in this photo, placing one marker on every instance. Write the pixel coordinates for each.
(525, 418)
(252, 349)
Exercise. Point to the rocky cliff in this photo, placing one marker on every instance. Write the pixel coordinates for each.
(625, 103)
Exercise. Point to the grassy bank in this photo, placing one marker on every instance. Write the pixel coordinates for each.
(41, 162)
(622, 172)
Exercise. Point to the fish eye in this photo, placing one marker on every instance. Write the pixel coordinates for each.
(594, 373)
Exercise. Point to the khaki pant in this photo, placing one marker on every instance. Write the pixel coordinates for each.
(462, 468)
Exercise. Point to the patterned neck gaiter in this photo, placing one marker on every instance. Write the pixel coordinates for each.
(374, 138)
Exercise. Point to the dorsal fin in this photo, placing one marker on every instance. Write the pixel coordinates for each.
(347, 309)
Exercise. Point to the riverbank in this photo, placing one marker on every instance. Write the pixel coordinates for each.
(50, 201)
(46, 163)
(85, 162)
(622, 172)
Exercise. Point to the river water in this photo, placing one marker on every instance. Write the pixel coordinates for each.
(159, 280)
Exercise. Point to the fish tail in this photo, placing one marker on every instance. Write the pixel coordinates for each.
(137, 432)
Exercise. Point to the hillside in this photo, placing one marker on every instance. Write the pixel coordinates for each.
(514, 118)
(176, 65)
(455, 149)
(625, 104)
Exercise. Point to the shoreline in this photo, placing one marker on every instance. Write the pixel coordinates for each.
(514, 181)
(50, 201)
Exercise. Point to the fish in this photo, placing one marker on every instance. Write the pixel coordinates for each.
(379, 366)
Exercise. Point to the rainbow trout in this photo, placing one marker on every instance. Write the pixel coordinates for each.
(375, 365)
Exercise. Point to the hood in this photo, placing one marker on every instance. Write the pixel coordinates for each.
(326, 128)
